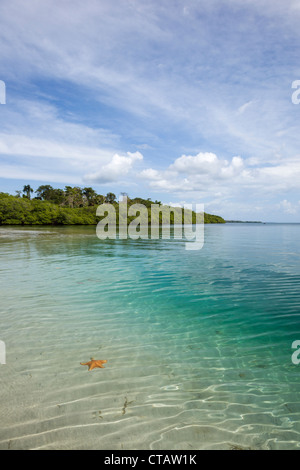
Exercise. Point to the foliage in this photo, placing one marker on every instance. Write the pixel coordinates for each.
(72, 206)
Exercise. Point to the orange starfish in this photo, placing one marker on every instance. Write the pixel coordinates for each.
(94, 363)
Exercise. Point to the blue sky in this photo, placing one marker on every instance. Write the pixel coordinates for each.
(183, 101)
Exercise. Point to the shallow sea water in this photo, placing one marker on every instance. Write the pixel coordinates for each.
(197, 343)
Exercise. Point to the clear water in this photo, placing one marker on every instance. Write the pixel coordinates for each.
(198, 343)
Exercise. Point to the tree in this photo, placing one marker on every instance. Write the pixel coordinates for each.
(16, 210)
(44, 192)
(110, 198)
(73, 196)
(90, 195)
(57, 196)
(99, 199)
(27, 190)
(47, 193)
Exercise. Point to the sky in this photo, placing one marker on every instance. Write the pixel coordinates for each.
(181, 101)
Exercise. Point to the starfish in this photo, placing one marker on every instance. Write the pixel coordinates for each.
(94, 363)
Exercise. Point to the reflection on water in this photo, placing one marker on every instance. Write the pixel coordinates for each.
(198, 344)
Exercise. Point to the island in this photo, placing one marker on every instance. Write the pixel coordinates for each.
(243, 222)
(71, 206)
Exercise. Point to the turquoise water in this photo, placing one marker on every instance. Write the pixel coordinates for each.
(197, 343)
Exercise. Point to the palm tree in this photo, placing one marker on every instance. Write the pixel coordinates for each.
(27, 190)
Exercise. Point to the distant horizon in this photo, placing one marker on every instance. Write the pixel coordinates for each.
(229, 220)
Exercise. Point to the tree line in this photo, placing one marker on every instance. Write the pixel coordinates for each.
(69, 206)
(69, 197)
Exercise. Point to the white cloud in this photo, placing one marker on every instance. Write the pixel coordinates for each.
(40, 145)
(190, 173)
(289, 207)
(79, 47)
(243, 108)
(117, 168)
(208, 164)
(216, 76)
(208, 175)
(150, 174)
(203, 162)
(15, 144)
(50, 174)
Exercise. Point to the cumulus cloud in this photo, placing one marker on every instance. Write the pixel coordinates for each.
(207, 164)
(194, 172)
(117, 168)
(150, 174)
(208, 174)
(203, 162)
(289, 207)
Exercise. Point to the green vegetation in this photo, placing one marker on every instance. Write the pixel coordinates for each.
(71, 206)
